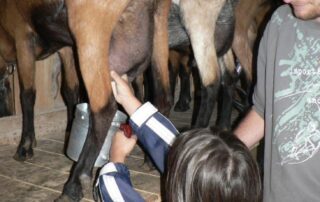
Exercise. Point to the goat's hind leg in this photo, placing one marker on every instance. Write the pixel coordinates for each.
(202, 41)
(93, 50)
(174, 64)
(26, 72)
(69, 86)
(160, 56)
(183, 103)
(226, 92)
(175, 67)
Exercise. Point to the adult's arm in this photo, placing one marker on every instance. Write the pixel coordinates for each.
(251, 130)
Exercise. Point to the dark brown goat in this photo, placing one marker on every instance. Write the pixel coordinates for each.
(20, 44)
(108, 34)
(251, 17)
(208, 26)
(248, 17)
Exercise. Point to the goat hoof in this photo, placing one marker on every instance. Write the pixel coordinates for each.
(72, 191)
(64, 198)
(147, 164)
(181, 107)
(23, 155)
(34, 143)
(86, 184)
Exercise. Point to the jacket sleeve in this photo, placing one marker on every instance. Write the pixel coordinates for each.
(114, 184)
(155, 133)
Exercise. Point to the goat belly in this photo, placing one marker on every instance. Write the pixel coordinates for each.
(51, 25)
(132, 38)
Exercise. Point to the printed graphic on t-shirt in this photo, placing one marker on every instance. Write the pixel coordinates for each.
(297, 97)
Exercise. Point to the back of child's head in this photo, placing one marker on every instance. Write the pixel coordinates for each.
(211, 165)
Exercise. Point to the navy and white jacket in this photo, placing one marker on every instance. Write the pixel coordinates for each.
(156, 134)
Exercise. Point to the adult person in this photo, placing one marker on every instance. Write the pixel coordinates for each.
(286, 103)
(203, 164)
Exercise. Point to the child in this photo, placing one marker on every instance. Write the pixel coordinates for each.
(203, 164)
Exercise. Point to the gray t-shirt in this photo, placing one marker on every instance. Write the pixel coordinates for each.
(287, 95)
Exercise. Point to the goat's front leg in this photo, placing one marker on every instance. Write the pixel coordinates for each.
(160, 57)
(202, 41)
(92, 23)
(69, 86)
(26, 72)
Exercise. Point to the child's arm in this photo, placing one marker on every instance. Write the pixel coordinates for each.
(155, 132)
(114, 184)
(114, 179)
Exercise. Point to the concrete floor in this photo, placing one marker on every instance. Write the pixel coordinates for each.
(42, 178)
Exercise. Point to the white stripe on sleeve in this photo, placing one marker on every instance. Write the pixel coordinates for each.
(164, 133)
(108, 168)
(143, 113)
(112, 188)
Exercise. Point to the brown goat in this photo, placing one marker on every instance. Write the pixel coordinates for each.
(109, 35)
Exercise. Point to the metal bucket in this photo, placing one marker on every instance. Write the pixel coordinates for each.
(79, 133)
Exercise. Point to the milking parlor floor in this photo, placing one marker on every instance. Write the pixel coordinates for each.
(42, 178)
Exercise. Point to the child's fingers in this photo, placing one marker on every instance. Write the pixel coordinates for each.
(115, 77)
(119, 80)
(134, 137)
(114, 88)
(125, 77)
(133, 140)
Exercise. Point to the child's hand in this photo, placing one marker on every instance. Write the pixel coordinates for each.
(121, 147)
(120, 87)
(123, 93)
